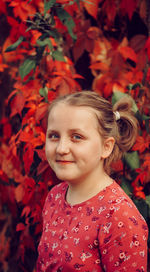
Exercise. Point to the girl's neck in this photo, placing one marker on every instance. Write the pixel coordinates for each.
(79, 192)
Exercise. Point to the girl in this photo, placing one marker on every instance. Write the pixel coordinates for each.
(89, 223)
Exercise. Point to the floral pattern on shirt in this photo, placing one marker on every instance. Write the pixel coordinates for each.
(105, 233)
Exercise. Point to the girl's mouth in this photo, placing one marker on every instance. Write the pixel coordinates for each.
(63, 161)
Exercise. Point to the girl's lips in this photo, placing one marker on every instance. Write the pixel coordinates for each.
(63, 162)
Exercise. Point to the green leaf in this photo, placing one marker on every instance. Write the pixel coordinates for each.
(15, 45)
(57, 55)
(132, 159)
(126, 186)
(45, 42)
(118, 95)
(43, 92)
(134, 86)
(88, 2)
(148, 200)
(67, 20)
(70, 25)
(50, 33)
(48, 5)
(26, 67)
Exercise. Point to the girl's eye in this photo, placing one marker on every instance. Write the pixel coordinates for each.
(77, 137)
(53, 136)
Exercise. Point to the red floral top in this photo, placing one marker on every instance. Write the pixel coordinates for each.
(105, 233)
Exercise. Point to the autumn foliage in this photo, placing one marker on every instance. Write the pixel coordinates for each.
(51, 48)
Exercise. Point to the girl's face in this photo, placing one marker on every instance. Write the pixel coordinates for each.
(74, 147)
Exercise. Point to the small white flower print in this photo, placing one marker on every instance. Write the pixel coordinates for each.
(120, 224)
(97, 261)
(57, 196)
(54, 245)
(85, 255)
(101, 210)
(101, 197)
(86, 227)
(122, 255)
(76, 241)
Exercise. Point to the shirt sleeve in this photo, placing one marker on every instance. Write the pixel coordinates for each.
(123, 240)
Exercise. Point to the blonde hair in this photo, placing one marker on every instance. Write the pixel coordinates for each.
(117, 121)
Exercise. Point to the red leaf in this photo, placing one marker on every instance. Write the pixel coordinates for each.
(141, 144)
(42, 167)
(19, 192)
(2, 7)
(41, 112)
(41, 154)
(3, 176)
(110, 10)
(138, 42)
(38, 228)
(17, 104)
(51, 96)
(147, 162)
(30, 186)
(26, 211)
(142, 176)
(20, 226)
(128, 6)
(147, 46)
(28, 157)
(7, 131)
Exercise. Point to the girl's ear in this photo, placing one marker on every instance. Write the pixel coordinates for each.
(108, 146)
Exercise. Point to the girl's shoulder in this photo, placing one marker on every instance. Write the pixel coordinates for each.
(120, 206)
(56, 192)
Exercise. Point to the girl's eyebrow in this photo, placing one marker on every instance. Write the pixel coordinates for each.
(75, 130)
(51, 131)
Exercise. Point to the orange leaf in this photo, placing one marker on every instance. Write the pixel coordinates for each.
(2, 65)
(128, 53)
(91, 6)
(19, 192)
(22, 10)
(99, 66)
(25, 137)
(17, 104)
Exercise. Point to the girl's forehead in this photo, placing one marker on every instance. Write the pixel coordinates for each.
(61, 106)
(70, 113)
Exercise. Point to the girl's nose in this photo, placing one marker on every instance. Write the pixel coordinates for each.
(62, 147)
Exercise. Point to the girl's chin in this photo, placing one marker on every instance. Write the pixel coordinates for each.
(67, 178)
